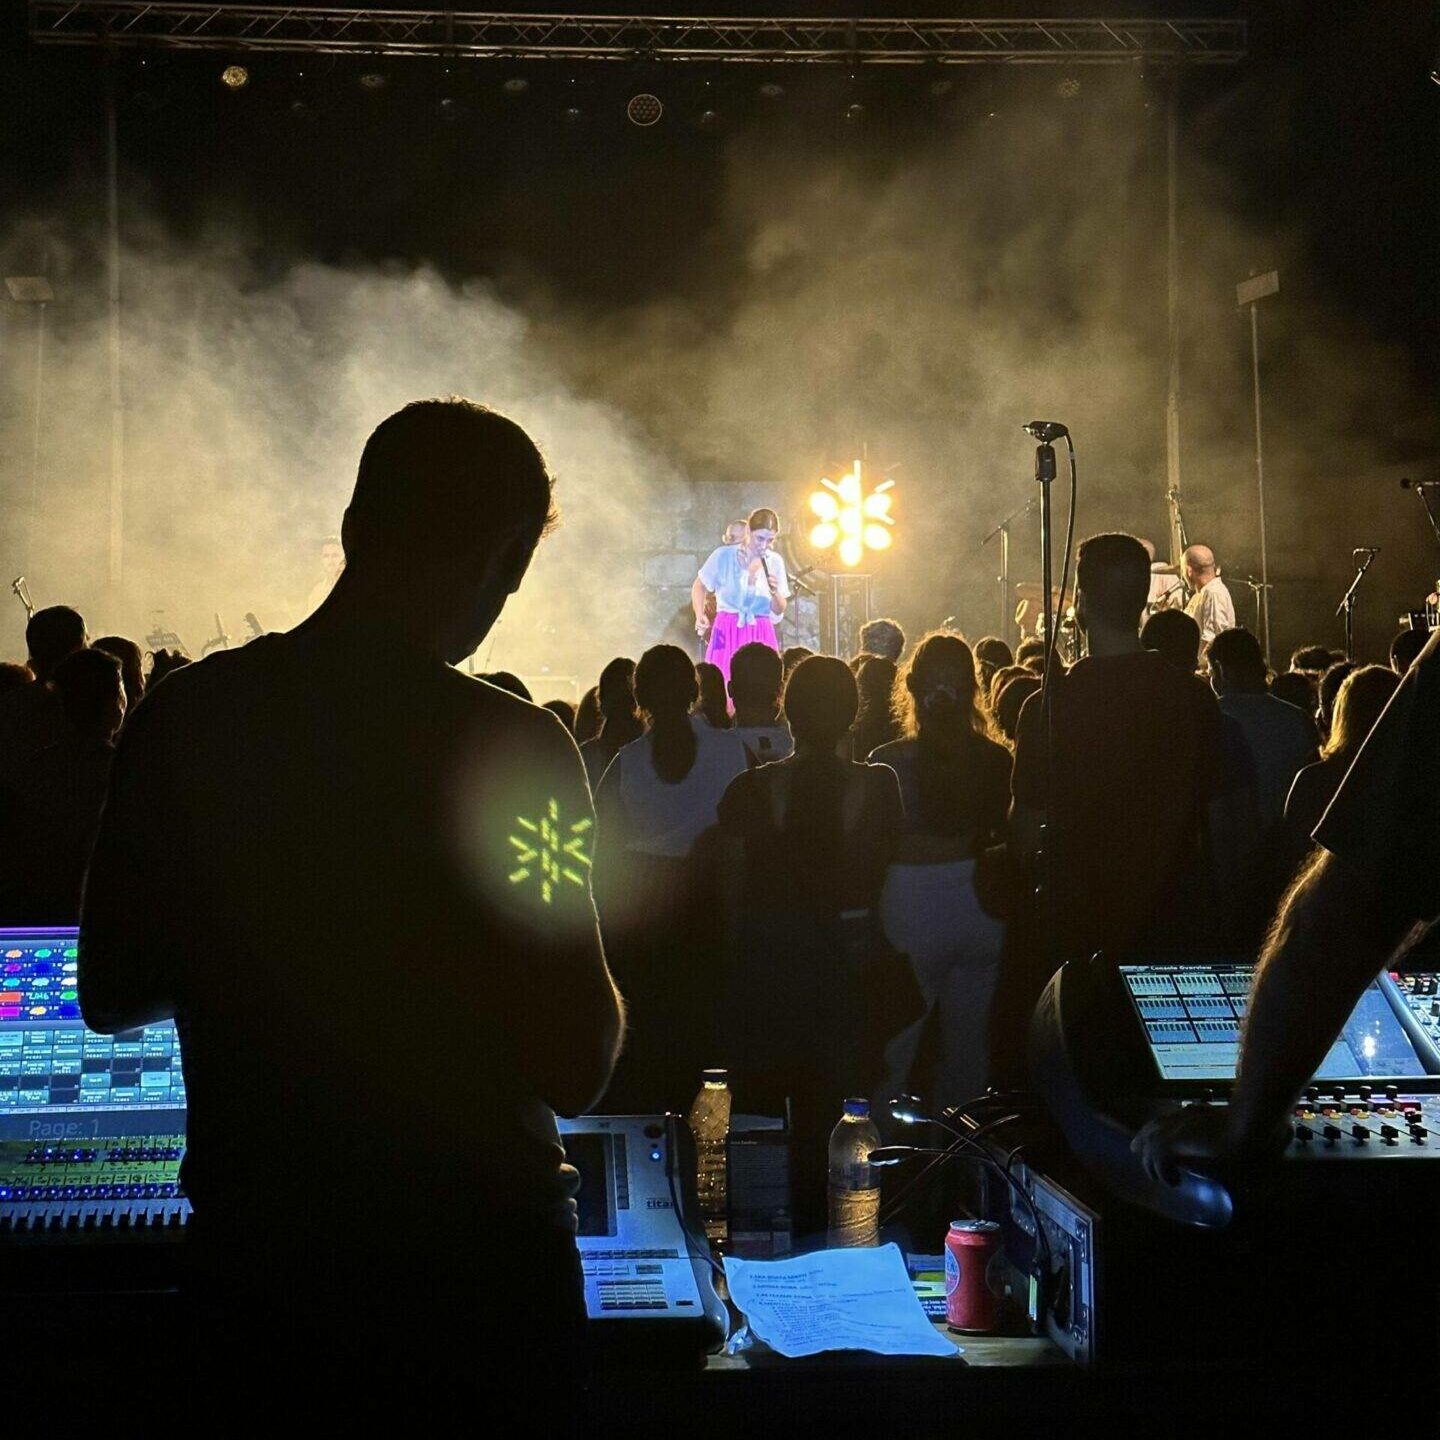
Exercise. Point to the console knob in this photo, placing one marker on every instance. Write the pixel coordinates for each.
(1392, 1092)
(1333, 1132)
(1360, 1133)
(1390, 1133)
(1366, 1091)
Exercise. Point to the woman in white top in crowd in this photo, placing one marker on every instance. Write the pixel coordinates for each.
(658, 798)
(751, 590)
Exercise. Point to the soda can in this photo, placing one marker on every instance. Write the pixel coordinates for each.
(969, 1301)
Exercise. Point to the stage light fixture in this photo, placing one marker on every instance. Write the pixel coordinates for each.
(372, 80)
(1068, 88)
(515, 85)
(772, 90)
(709, 120)
(855, 113)
(235, 77)
(573, 115)
(644, 110)
(851, 520)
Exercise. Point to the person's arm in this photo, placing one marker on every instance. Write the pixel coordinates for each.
(126, 968)
(698, 595)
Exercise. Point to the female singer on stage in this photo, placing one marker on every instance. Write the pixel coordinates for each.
(751, 590)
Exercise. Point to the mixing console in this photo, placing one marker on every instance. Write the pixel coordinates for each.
(92, 1127)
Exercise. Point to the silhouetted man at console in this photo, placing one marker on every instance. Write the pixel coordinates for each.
(368, 908)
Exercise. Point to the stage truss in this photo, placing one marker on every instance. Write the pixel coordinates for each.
(486, 35)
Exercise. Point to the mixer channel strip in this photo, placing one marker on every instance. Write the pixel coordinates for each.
(121, 1183)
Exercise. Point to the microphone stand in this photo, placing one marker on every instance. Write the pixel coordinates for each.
(1003, 579)
(1045, 476)
(1347, 606)
(1257, 588)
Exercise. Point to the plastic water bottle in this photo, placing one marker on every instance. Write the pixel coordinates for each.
(710, 1125)
(854, 1182)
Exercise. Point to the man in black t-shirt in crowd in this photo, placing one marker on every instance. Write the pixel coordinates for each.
(1135, 752)
(1135, 746)
(1358, 906)
(368, 909)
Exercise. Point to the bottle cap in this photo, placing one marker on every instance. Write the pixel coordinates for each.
(858, 1107)
(714, 1077)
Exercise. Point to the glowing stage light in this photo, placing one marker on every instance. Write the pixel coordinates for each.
(851, 520)
(235, 77)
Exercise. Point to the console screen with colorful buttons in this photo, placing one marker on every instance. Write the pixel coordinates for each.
(47, 1056)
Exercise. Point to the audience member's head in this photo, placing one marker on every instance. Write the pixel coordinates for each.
(1031, 654)
(587, 716)
(1363, 695)
(1011, 699)
(884, 638)
(1175, 636)
(793, 655)
(991, 654)
(1296, 687)
(616, 691)
(1112, 583)
(92, 692)
(52, 634)
(856, 661)
(620, 720)
(13, 675)
(162, 663)
(938, 692)
(1404, 648)
(735, 533)
(504, 680)
(450, 501)
(1315, 659)
(665, 683)
(1327, 690)
(563, 710)
(132, 663)
(712, 703)
(1237, 664)
(821, 702)
(666, 690)
(875, 681)
(332, 557)
(998, 682)
(756, 678)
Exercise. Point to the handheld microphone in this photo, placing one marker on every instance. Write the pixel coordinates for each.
(1045, 431)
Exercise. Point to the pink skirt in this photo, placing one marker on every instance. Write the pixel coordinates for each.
(727, 636)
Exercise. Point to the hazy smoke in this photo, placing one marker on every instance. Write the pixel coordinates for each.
(921, 299)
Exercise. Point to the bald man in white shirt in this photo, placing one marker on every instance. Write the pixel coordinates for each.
(1210, 605)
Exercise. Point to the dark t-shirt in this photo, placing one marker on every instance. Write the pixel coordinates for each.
(963, 793)
(1385, 817)
(1136, 755)
(359, 900)
(48, 816)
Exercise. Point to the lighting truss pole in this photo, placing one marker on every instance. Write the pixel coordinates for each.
(480, 34)
(1251, 292)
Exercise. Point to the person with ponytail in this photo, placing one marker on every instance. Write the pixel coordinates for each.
(750, 590)
(955, 781)
(657, 798)
(804, 846)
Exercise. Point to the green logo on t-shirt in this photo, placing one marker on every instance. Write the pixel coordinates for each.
(550, 851)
